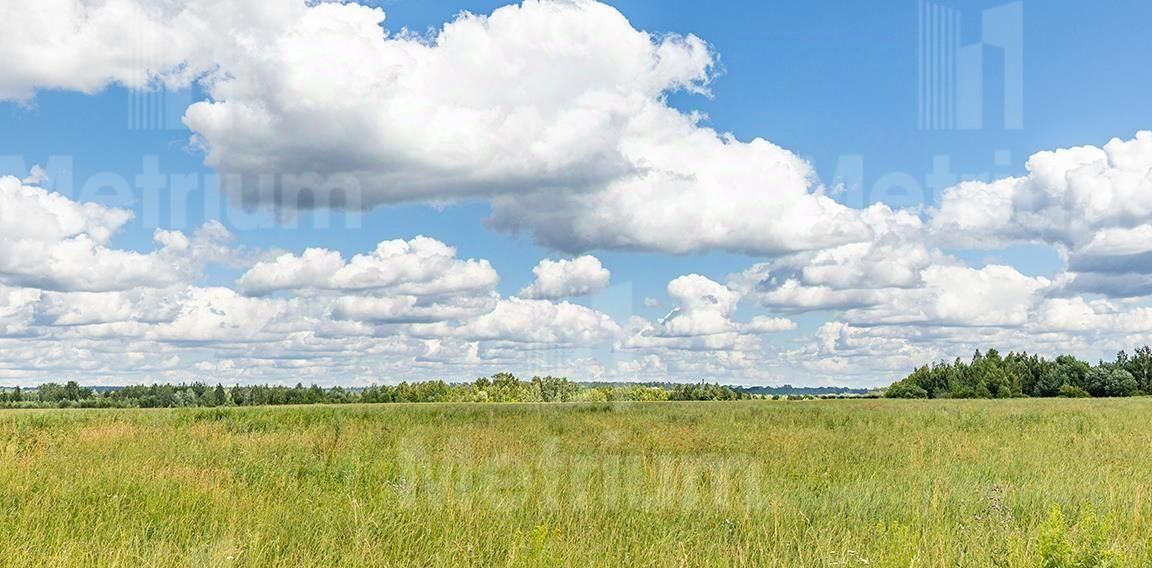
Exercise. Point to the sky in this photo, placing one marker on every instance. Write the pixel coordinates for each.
(813, 193)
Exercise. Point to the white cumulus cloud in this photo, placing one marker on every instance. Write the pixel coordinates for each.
(420, 266)
(51, 242)
(566, 278)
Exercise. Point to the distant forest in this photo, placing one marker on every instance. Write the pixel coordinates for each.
(502, 387)
(990, 375)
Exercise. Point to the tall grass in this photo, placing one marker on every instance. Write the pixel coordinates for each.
(759, 483)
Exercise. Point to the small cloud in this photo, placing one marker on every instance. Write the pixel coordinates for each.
(557, 279)
(36, 176)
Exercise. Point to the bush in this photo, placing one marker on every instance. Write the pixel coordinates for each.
(1072, 391)
(906, 389)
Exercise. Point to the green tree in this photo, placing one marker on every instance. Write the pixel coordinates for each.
(1050, 382)
(1074, 369)
(71, 391)
(1140, 366)
(1106, 381)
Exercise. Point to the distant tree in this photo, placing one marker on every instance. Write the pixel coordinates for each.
(221, 395)
(1107, 381)
(315, 395)
(1140, 366)
(1074, 369)
(71, 391)
(1124, 384)
(1050, 382)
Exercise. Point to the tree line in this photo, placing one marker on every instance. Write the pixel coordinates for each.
(502, 387)
(990, 375)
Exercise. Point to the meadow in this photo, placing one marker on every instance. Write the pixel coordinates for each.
(1019, 482)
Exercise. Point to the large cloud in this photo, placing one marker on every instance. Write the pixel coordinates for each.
(403, 118)
(314, 104)
(1093, 204)
(1068, 197)
(577, 152)
(85, 45)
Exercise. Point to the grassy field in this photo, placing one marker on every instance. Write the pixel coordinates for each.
(813, 483)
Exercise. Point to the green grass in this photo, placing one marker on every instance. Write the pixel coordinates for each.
(762, 483)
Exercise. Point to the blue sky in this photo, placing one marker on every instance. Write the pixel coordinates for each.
(835, 84)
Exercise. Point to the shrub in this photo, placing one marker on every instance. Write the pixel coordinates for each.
(1072, 391)
(906, 389)
(1055, 549)
(1082, 546)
